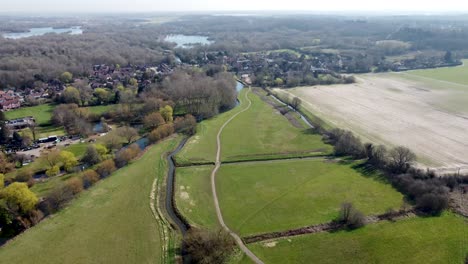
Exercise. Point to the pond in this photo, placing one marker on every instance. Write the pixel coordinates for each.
(186, 41)
(42, 31)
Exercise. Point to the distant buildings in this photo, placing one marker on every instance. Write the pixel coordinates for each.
(9, 100)
(20, 123)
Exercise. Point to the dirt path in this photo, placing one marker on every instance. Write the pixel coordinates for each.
(238, 240)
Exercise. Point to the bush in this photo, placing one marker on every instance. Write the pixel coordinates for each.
(349, 144)
(161, 132)
(124, 156)
(186, 125)
(89, 177)
(351, 217)
(53, 171)
(57, 199)
(75, 185)
(106, 168)
(153, 120)
(91, 156)
(208, 247)
(432, 203)
(24, 175)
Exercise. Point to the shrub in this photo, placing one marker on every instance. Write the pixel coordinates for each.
(432, 203)
(75, 184)
(24, 175)
(153, 120)
(53, 171)
(57, 198)
(91, 155)
(351, 217)
(161, 132)
(106, 168)
(209, 247)
(69, 160)
(186, 125)
(89, 177)
(349, 144)
(124, 156)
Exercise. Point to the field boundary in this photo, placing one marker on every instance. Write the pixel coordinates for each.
(259, 160)
(329, 227)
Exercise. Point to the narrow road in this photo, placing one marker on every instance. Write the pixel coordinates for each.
(238, 240)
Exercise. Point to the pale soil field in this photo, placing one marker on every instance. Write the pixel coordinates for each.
(428, 116)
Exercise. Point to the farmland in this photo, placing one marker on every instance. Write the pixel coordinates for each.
(292, 194)
(428, 116)
(415, 240)
(326, 184)
(99, 221)
(265, 134)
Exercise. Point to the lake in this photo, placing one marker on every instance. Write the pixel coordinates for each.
(42, 31)
(185, 41)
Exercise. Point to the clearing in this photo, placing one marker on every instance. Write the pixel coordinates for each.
(416, 240)
(428, 116)
(110, 223)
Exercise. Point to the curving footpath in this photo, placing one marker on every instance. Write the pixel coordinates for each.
(238, 240)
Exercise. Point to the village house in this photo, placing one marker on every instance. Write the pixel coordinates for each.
(20, 123)
(9, 100)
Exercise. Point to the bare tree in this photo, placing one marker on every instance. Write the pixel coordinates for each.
(296, 102)
(401, 159)
(350, 216)
(129, 133)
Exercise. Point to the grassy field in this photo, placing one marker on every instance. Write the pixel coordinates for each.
(42, 113)
(265, 134)
(100, 109)
(110, 223)
(281, 194)
(417, 240)
(448, 74)
(193, 196)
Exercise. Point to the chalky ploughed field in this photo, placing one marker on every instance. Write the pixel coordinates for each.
(427, 114)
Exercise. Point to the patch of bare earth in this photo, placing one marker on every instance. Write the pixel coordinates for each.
(388, 110)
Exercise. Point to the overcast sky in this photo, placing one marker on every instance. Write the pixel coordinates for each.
(48, 6)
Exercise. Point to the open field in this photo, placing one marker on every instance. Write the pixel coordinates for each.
(42, 113)
(415, 240)
(260, 197)
(110, 223)
(395, 109)
(265, 134)
(457, 74)
(193, 196)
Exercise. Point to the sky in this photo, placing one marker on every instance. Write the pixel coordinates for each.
(112, 6)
